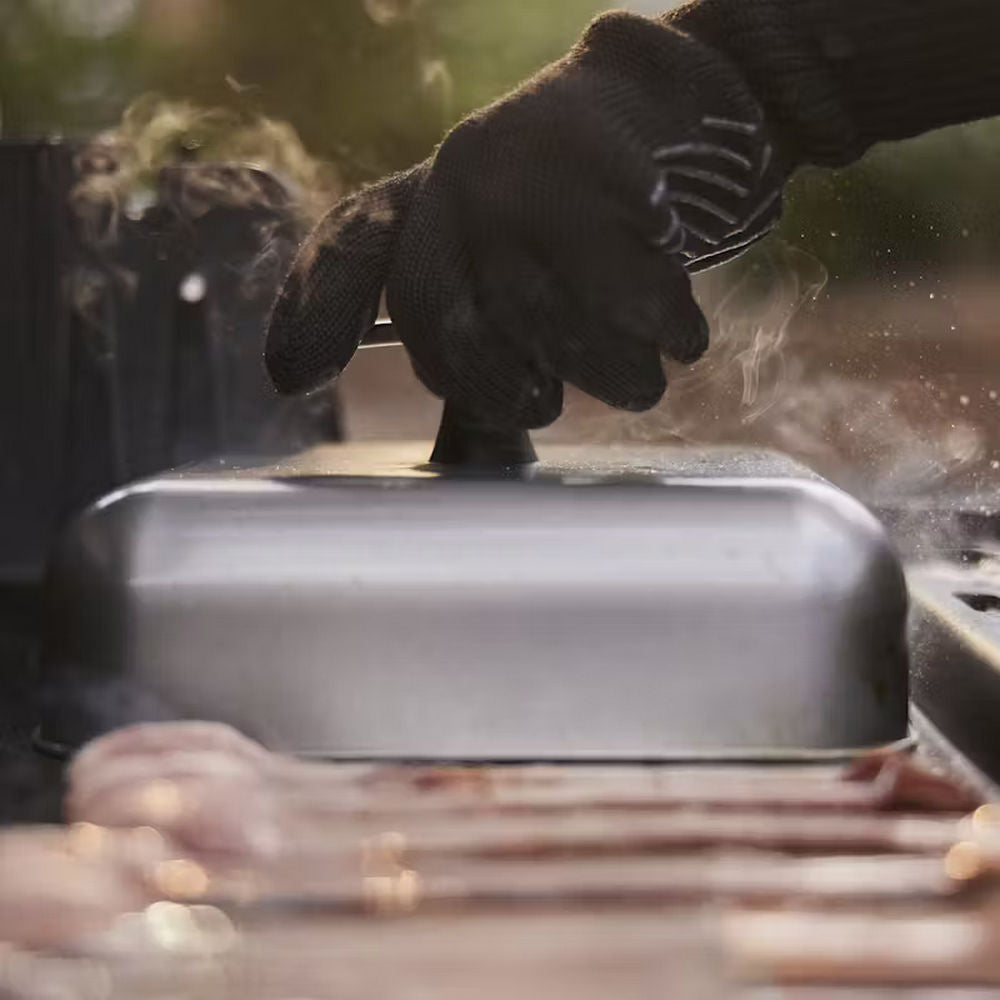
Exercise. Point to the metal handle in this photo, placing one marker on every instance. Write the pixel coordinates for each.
(381, 335)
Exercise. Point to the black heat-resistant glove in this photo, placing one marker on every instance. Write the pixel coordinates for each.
(837, 76)
(549, 238)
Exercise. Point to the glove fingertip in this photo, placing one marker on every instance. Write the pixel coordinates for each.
(302, 353)
(544, 406)
(331, 295)
(690, 339)
(318, 320)
(649, 394)
(683, 333)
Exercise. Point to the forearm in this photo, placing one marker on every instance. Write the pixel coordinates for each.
(837, 76)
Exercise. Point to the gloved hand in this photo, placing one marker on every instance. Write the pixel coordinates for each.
(550, 236)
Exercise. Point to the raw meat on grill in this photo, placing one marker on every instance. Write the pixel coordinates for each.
(207, 800)
(59, 886)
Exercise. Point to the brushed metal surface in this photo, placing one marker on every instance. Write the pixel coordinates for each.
(955, 643)
(639, 603)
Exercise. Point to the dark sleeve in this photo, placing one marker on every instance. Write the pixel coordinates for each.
(837, 76)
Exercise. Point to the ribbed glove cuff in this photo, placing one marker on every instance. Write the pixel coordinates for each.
(837, 76)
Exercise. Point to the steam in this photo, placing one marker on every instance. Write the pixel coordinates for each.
(233, 161)
(772, 379)
(752, 321)
(167, 165)
(743, 375)
(863, 437)
(177, 155)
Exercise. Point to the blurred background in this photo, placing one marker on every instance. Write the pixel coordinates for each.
(860, 338)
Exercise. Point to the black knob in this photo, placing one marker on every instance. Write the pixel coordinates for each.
(462, 443)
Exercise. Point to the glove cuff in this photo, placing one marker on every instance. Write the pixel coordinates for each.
(837, 76)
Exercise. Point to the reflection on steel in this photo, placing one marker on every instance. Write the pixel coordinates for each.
(381, 334)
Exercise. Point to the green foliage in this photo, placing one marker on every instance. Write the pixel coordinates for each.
(373, 92)
(905, 208)
(373, 84)
(56, 81)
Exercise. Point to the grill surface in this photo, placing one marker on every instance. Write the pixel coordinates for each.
(403, 881)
